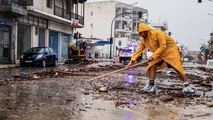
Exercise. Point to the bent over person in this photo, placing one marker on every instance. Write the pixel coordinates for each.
(165, 54)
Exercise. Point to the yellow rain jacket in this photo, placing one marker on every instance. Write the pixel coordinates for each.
(162, 46)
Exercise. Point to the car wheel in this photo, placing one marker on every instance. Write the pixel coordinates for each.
(55, 62)
(21, 64)
(43, 63)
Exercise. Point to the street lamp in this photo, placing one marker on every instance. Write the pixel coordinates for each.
(111, 38)
(210, 14)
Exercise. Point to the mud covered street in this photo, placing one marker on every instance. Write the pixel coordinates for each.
(65, 93)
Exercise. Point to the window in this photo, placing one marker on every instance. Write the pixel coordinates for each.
(118, 10)
(117, 24)
(68, 5)
(34, 20)
(91, 13)
(49, 3)
(36, 30)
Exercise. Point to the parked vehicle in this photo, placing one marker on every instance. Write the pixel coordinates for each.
(126, 54)
(42, 56)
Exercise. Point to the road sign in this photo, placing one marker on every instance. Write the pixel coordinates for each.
(75, 24)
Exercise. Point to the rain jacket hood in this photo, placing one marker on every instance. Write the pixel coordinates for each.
(143, 27)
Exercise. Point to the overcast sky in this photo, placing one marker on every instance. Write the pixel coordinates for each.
(188, 20)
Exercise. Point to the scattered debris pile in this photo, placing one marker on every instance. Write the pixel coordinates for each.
(58, 73)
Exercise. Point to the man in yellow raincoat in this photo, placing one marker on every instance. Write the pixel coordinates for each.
(165, 54)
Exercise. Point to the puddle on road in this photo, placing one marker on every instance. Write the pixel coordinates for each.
(63, 99)
(105, 110)
(43, 100)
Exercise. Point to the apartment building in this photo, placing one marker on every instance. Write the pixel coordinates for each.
(160, 25)
(210, 47)
(32, 23)
(106, 17)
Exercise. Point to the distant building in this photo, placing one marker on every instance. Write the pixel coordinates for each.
(182, 49)
(100, 15)
(194, 54)
(210, 47)
(161, 26)
(32, 23)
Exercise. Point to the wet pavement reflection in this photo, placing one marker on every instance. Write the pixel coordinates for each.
(68, 95)
(37, 100)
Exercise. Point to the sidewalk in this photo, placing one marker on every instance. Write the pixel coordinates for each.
(2, 65)
(8, 66)
(61, 62)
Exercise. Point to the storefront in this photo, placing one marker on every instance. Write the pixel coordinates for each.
(24, 39)
(54, 41)
(31, 32)
(59, 43)
(5, 40)
(64, 46)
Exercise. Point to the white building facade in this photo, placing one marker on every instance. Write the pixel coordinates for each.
(99, 17)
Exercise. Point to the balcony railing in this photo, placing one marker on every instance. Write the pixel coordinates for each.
(58, 11)
(16, 7)
(21, 3)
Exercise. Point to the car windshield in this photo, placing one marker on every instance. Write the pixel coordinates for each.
(35, 50)
(127, 50)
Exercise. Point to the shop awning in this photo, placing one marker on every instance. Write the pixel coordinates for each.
(102, 42)
(96, 42)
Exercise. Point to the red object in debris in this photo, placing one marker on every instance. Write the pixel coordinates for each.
(75, 24)
(114, 59)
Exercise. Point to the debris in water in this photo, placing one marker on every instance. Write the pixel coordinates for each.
(56, 74)
(167, 98)
(35, 77)
(86, 93)
(103, 89)
(23, 74)
(210, 105)
(119, 103)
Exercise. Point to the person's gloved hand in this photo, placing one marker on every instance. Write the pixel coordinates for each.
(130, 63)
(150, 59)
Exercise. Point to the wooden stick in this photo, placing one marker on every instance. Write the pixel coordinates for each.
(78, 64)
(137, 64)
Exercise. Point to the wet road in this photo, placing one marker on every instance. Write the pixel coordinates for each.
(73, 97)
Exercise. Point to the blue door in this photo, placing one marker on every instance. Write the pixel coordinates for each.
(64, 46)
(53, 41)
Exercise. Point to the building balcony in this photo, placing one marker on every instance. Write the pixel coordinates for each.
(13, 7)
(63, 13)
(123, 30)
(161, 26)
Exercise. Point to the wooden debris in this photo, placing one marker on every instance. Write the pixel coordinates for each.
(210, 105)
(167, 98)
(103, 89)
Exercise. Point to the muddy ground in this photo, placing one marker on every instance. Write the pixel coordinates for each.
(66, 93)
